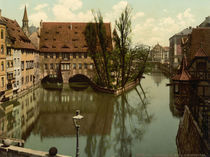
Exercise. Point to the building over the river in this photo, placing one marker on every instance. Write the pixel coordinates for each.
(64, 43)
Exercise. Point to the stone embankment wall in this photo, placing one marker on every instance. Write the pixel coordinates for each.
(189, 137)
(116, 92)
(13, 151)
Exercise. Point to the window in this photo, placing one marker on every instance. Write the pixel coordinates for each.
(57, 55)
(22, 65)
(2, 82)
(74, 55)
(2, 49)
(74, 65)
(67, 66)
(80, 65)
(80, 55)
(51, 55)
(57, 65)
(2, 66)
(85, 65)
(45, 66)
(2, 34)
(31, 78)
(22, 80)
(85, 55)
(91, 66)
(45, 55)
(201, 66)
(9, 51)
(51, 66)
(176, 88)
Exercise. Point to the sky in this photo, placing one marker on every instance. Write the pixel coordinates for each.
(153, 21)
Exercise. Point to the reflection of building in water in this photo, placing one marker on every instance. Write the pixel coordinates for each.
(157, 76)
(29, 112)
(17, 116)
(57, 109)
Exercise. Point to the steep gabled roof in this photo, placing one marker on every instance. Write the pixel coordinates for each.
(16, 35)
(200, 53)
(182, 74)
(66, 37)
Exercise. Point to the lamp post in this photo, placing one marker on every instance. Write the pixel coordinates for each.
(76, 118)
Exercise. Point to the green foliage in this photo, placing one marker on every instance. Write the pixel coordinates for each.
(124, 63)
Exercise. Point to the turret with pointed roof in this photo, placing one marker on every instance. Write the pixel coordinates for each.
(25, 23)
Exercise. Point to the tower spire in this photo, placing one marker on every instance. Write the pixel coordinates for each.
(25, 16)
(25, 22)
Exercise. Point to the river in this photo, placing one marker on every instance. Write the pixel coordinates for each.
(140, 122)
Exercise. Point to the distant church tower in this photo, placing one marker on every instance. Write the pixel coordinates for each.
(25, 23)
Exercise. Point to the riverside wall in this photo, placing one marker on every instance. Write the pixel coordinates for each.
(13, 151)
(190, 138)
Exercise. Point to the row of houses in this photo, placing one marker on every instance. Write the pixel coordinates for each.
(29, 54)
(173, 54)
(17, 58)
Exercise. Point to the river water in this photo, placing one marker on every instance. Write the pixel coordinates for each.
(141, 122)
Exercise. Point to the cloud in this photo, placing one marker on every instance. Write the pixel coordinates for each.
(37, 17)
(64, 11)
(41, 6)
(159, 30)
(115, 12)
(138, 14)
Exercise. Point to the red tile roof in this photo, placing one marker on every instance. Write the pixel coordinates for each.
(200, 53)
(16, 35)
(65, 37)
(182, 74)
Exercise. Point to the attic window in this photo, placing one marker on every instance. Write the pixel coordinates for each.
(44, 46)
(76, 27)
(65, 46)
(70, 27)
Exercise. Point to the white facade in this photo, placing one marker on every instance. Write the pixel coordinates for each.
(17, 68)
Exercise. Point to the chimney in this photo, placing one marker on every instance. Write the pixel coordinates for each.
(0, 13)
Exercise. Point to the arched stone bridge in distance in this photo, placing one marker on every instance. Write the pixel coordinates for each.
(67, 75)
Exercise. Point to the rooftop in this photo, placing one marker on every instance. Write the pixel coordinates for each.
(16, 35)
(66, 37)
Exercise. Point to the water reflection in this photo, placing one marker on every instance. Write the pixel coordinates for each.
(112, 126)
(157, 76)
(19, 116)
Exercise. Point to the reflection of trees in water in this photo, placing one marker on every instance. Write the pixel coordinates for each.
(130, 121)
(129, 124)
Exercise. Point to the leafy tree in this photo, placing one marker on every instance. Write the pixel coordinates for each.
(125, 62)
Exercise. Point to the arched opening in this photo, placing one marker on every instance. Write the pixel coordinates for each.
(79, 82)
(53, 82)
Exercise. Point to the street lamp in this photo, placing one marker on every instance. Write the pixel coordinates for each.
(76, 118)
